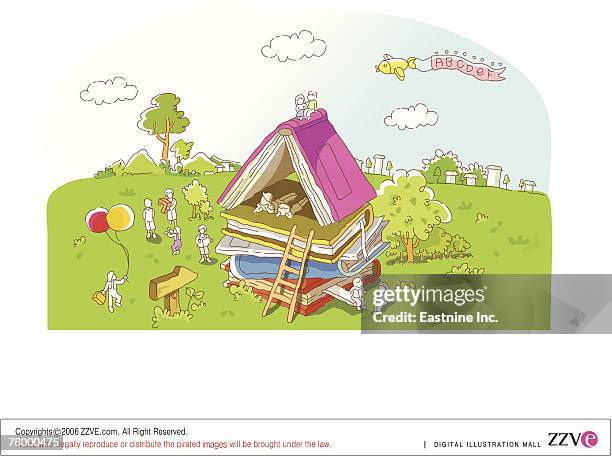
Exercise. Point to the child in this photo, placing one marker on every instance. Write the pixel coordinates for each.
(148, 215)
(311, 104)
(357, 294)
(300, 107)
(203, 240)
(111, 287)
(171, 207)
(176, 234)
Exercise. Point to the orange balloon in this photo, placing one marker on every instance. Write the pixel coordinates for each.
(120, 217)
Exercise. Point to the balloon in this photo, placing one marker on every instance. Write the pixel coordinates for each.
(120, 217)
(96, 220)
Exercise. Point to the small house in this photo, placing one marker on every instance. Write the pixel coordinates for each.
(528, 186)
(451, 177)
(470, 179)
(227, 165)
(220, 168)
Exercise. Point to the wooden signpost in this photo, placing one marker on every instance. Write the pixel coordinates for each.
(169, 286)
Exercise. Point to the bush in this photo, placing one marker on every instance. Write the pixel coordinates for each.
(244, 294)
(163, 320)
(107, 172)
(164, 165)
(464, 269)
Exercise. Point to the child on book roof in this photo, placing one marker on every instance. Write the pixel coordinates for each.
(300, 107)
(311, 104)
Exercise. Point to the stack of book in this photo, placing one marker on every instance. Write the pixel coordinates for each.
(301, 175)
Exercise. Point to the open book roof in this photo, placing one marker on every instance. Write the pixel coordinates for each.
(325, 168)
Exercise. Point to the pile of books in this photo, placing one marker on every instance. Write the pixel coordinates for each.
(301, 175)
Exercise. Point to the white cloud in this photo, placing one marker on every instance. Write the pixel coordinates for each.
(411, 117)
(294, 47)
(109, 91)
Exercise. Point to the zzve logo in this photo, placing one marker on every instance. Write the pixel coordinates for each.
(588, 439)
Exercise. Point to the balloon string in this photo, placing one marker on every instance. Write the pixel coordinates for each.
(125, 250)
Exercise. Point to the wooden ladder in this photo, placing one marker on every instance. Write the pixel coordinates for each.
(281, 281)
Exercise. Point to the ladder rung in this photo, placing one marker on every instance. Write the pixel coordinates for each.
(281, 297)
(291, 270)
(291, 256)
(286, 283)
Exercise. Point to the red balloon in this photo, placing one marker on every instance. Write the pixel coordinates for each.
(96, 220)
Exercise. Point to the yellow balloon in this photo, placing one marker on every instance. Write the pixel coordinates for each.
(120, 217)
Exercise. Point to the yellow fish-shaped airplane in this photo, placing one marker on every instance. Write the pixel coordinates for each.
(396, 66)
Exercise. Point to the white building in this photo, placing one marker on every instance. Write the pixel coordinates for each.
(528, 186)
(227, 165)
(451, 177)
(470, 179)
(494, 173)
(220, 168)
(379, 161)
(359, 163)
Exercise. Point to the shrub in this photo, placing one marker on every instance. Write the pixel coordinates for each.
(464, 269)
(244, 294)
(458, 245)
(107, 172)
(163, 320)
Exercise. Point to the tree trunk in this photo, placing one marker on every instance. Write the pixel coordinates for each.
(409, 242)
(193, 211)
(166, 141)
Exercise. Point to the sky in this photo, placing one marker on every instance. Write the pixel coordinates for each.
(210, 56)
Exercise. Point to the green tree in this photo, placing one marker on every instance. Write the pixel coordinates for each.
(195, 195)
(437, 172)
(437, 167)
(389, 167)
(181, 150)
(411, 209)
(506, 181)
(521, 184)
(162, 119)
(369, 165)
(481, 177)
